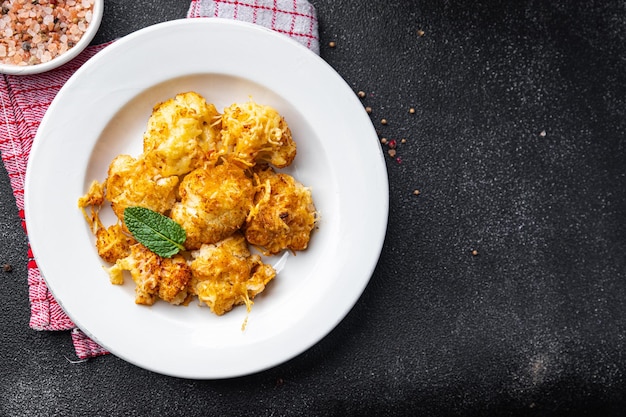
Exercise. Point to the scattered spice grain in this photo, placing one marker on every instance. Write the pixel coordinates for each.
(416, 192)
(392, 152)
(542, 133)
(7, 267)
(420, 33)
(403, 140)
(368, 109)
(412, 110)
(361, 94)
(474, 252)
(383, 141)
(332, 44)
(383, 122)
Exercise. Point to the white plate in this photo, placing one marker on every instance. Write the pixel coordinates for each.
(102, 112)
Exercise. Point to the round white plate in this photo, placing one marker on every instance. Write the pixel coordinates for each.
(102, 111)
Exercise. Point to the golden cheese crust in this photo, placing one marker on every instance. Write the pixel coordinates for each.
(93, 199)
(254, 133)
(181, 134)
(94, 196)
(283, 216)
(214, 203)
(113, 242)
(155, 277)
(226, 274)
(134, 182)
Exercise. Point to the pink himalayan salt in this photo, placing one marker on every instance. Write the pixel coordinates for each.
(32, 32)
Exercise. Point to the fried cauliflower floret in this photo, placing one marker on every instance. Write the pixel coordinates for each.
(226, 274)
(283, 216)
(113, 243)
(94, 198)
(155, 277)
(214, 203)
(133, 182)
(181, 134)
(254, 133)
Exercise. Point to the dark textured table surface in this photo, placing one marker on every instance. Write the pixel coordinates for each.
(518, 148)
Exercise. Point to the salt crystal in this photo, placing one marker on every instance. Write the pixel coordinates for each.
(47, 19)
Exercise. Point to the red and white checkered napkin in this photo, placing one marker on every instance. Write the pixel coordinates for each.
(25, 99)
(294, 18)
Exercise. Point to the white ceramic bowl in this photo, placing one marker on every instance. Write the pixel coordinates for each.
(98, 9)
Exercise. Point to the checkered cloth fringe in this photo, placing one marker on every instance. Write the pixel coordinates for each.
(25, 99)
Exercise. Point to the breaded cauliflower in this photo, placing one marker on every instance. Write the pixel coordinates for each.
(226, 274)
(214, 203)
(181, 134)
(155, 277)
(283, 215)
(113, 242)
(254, 133)
(133, 182)
(211, 174)
(94, 198)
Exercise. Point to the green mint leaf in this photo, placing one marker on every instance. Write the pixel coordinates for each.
(155, 231)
